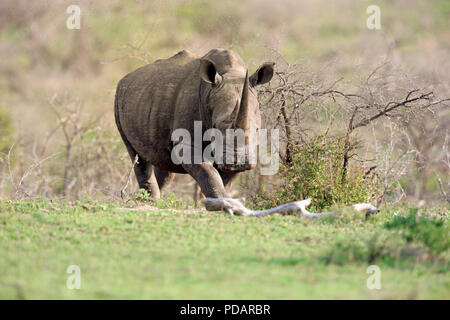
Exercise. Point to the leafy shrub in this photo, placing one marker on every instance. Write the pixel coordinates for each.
(317, 171)
(434, 234)
(142, 195)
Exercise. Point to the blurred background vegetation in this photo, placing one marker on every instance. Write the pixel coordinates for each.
(57, 132)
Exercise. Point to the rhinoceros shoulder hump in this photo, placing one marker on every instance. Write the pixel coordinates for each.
(182, 57)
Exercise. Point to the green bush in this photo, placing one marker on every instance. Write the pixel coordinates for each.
(317, 171)
(142, 195)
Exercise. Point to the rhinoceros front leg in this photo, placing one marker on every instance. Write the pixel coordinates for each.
(208, 178)
(228, 178)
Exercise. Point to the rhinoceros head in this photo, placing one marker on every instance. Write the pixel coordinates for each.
(229, 96)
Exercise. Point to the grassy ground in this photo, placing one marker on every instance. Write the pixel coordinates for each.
(166, 254)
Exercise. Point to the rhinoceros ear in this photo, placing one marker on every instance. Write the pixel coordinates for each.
(208, 72)
(263, 75)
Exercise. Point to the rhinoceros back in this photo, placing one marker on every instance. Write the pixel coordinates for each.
(151, 100)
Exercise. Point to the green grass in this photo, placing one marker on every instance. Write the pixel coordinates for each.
(167, 254)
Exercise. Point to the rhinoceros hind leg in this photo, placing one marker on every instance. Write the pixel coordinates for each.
(143, 169)
(163, 178)
(146, 178)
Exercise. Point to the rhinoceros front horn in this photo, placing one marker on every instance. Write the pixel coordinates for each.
(242, 118)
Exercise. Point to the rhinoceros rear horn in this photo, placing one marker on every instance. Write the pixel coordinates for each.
(208, 71)
(242, 118)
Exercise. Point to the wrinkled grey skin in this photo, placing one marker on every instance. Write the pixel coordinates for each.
(154, 100)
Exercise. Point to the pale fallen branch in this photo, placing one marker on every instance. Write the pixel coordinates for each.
(235, 207)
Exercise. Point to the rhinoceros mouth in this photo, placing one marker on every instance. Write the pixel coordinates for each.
(236, 167)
